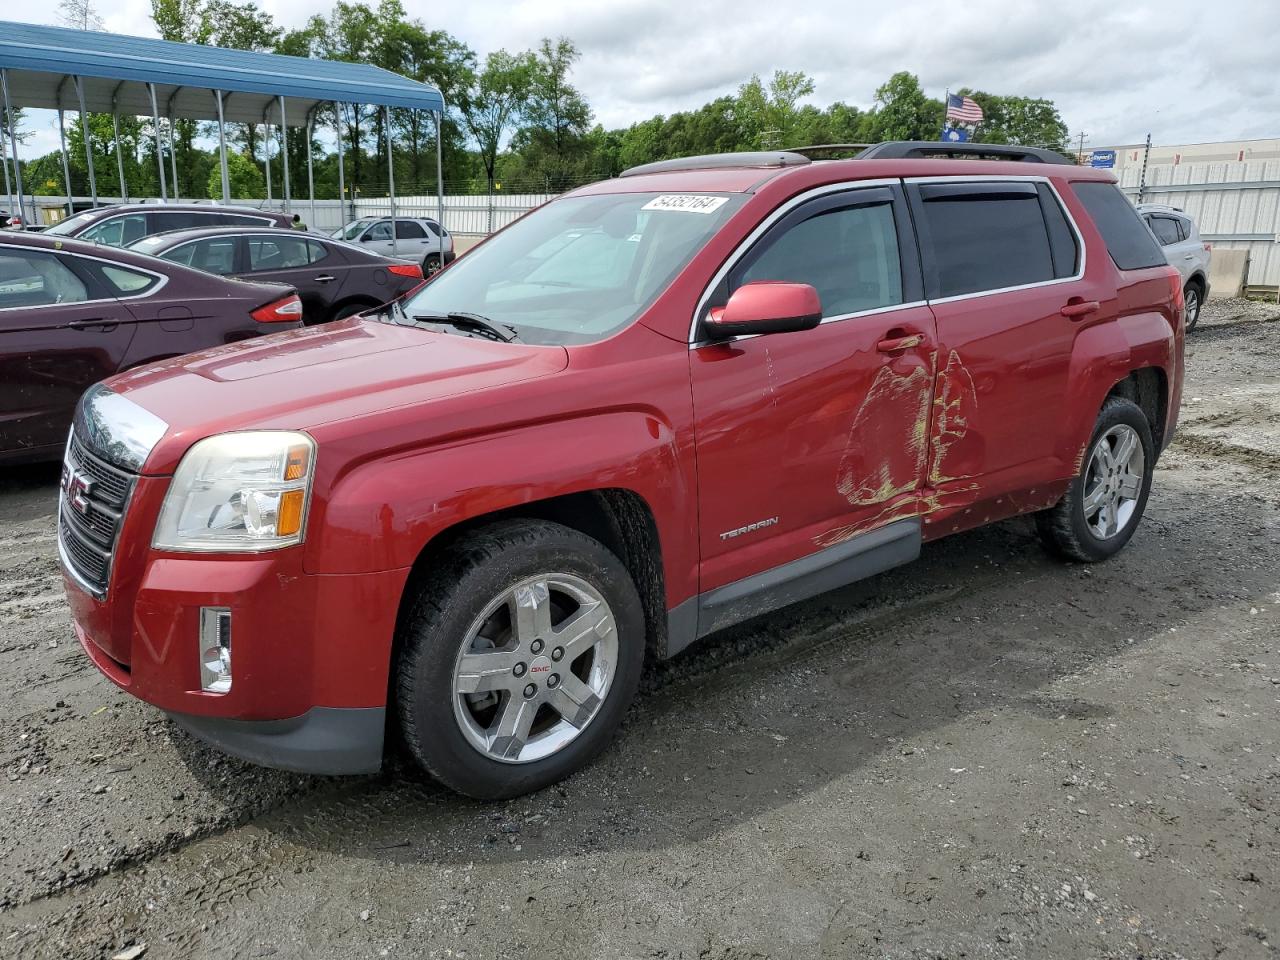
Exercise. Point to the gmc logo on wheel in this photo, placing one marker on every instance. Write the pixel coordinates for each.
(540, 669)
(77, 488)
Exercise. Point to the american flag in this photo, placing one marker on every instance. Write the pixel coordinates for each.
(963, 109)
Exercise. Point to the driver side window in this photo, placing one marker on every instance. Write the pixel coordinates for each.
(379, 231)
(848, 254)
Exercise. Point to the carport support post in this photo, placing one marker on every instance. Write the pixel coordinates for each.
(155, 120)
(4, 160)
(13, 144)
(173, 158)
(66, 167)
(266, 150)
(440, 181)
(222, 150)
(311, 179)
(115, 129)
(391, 177)
(342, 179)
(88, 143)
(284, 156)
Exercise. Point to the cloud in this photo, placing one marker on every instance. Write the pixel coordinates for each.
(1116, 72)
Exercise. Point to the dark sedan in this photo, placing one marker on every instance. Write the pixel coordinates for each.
(73, 313)
(122, 224)
(334, 279)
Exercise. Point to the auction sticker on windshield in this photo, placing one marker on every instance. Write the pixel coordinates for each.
(686, 202)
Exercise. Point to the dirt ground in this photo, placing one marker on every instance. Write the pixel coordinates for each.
(985, 754)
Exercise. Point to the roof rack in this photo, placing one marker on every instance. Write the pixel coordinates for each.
(720, 161)
(919, 149)
(823, 148)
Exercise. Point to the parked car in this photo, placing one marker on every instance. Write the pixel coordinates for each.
(123, 224)
(334, 279)
(72, 313)
(734, 382)
(1179, 237)
(417, 238)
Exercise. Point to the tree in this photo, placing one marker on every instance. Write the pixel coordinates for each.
(245, 178)
(556, 115)
(497, 103)
(1025, 121)
(903, 112)
(769, 118)
(79, 14)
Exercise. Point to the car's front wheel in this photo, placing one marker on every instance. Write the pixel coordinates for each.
(517, 658)
(1101, 508)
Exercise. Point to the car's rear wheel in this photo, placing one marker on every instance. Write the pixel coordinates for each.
(1194, 298)
(1101, 508)
(518, 658)
(431, 264)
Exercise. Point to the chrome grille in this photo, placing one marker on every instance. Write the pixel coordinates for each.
(91, 508)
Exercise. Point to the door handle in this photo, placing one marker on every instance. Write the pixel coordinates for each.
(325, 279)
(894, 344)
(1078, 309)
(1189, 256)
(94, 323)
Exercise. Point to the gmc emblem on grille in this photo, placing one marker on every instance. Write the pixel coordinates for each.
(77, 488)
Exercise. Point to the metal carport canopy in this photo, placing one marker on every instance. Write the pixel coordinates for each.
(115, 71)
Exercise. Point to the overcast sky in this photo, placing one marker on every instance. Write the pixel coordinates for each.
(1185, 70)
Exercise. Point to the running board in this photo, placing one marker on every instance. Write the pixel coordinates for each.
(856, 559)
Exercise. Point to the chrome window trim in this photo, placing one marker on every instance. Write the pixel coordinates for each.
(1066, 212)
(110, 263)
(741, 250)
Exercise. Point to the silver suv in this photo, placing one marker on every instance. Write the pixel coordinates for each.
(416, 238)
(1183, 248)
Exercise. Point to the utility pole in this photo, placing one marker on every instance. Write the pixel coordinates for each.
(1080, 154)
(1142, 179)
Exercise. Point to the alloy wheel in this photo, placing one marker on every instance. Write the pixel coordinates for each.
(1113, 481)
(534, 668)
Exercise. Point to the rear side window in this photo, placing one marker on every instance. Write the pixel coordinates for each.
(988, 236)
(215, 255)
(30, 279)
(1131, 245)
(283, 252)
(1166, 230)
(409, 230)
(128, 283)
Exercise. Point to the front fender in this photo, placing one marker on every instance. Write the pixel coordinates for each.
(380, 514)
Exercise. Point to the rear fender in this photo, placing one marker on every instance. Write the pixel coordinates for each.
(1101, 357)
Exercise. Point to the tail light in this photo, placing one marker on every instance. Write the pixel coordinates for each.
(406, 270)
(1208, 248)
(281, 311)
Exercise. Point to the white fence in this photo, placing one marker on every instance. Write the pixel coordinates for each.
(1236, 205)
(474, 215)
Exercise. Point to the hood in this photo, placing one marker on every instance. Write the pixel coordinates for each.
(304, 378)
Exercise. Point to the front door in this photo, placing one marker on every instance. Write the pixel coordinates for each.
(806, 440)
(59, 334)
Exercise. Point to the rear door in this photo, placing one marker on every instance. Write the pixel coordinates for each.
(1001, 262)
(315, 270)
(414, 241)
(1171, 236)
(60, 332)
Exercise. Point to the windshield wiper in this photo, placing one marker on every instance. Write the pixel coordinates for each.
(473, 323)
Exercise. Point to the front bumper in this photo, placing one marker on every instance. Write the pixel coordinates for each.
(300, 643)
(324, 740)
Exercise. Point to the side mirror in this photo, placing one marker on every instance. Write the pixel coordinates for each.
(766, 306)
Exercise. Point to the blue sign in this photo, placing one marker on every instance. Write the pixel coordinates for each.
(955, 135)
(1103, 158)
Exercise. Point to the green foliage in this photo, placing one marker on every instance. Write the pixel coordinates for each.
(769, 118)
(903, 112)
(244, 177)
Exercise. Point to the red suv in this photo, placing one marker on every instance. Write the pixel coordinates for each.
(652, 408)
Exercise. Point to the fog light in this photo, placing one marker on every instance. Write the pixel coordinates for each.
(215, 649)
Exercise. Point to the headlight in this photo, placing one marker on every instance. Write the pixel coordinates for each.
(239, 492)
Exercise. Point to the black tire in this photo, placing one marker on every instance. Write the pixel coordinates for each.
(1064, 528)
(431, 264)
(350, 310)
(1193, 294)
(462, 583)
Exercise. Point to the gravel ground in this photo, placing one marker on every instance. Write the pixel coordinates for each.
(985, 754)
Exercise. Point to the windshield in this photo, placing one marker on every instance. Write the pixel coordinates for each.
(578, 269)
(72, 224)
(351, 230)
